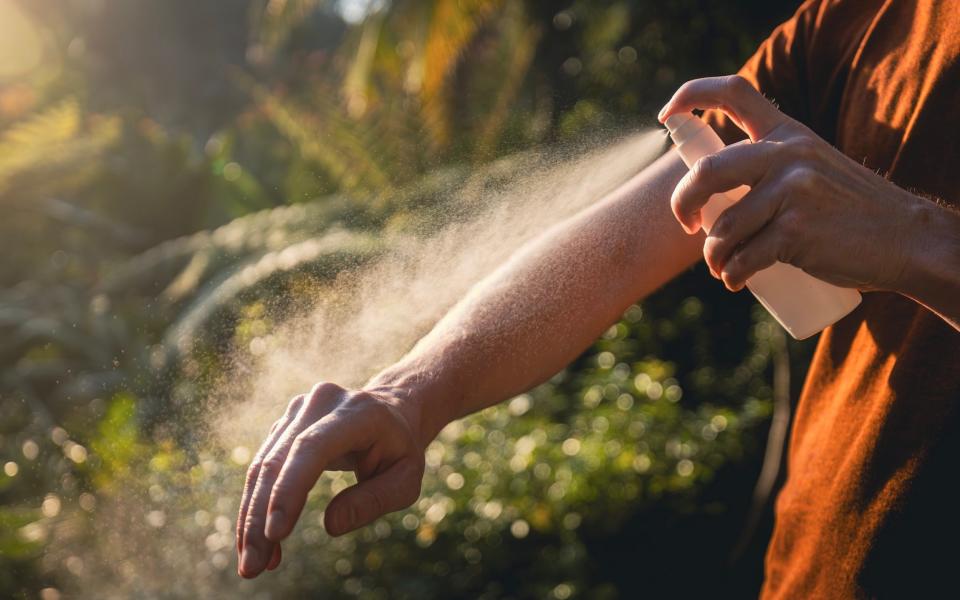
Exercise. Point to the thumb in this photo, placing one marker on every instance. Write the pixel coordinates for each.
(396, 488)
(732, 94)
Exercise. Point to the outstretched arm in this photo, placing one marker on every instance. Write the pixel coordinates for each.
(542, 308)
(515, 329)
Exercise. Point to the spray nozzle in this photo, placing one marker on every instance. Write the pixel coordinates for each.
(683, 126)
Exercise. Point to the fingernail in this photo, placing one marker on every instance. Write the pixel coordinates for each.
(662, 112)
(275, 523)
(248, 561)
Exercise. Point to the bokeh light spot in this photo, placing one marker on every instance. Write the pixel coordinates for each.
(520, 529)
(21, 47)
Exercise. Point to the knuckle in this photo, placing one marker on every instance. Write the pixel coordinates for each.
(369, 404)
(722, 227)
(253, 528)
(294, 405)
(704, 167)
(252, 473)
(322, 391)
(360, 398)
(791, 226)
(306, 441)
(801, 179)
(271, 466)
(738, 84)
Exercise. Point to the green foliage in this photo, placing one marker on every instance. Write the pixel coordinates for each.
(513, 497)
(117, 444)
(50, 143)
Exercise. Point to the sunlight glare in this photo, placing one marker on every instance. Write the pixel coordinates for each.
(20, 44)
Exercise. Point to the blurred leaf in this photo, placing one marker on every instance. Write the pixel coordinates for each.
(52, 143)
(118, 444)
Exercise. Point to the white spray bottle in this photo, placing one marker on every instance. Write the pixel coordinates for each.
(803, 304)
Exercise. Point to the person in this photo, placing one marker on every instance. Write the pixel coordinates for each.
(855, 179)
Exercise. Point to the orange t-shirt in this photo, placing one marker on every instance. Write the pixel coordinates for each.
(869, 508)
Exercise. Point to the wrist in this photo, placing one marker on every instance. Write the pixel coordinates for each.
(931, 270)
(419, 394)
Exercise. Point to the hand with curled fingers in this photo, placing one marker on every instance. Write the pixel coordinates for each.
(371, 433)
(808, 205)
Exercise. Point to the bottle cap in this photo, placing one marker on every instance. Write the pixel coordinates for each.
(683, 126)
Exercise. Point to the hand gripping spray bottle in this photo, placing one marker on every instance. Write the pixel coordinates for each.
(803, 304)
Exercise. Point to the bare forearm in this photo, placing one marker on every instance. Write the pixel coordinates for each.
(514, 329)
(931, 273)
(537, 312)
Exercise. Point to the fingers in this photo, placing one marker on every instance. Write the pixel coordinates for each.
(731, 167)
(253, 472)
(395, 489)
(332, 428)
(311, 453)
(257, 550)
(739, 223)
(757, 254)
(275, 559)
(732, 94)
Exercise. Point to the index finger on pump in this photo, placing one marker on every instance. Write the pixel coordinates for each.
(733, 95)
(731, 167)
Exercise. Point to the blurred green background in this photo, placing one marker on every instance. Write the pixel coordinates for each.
(150, 150)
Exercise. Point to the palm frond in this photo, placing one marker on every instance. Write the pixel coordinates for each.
(452, 27)
(272, 21)
(257, 233)
(517, 51)
(51, 149)
(324, 136)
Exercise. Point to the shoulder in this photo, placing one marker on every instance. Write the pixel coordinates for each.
(804, 64)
